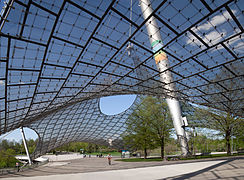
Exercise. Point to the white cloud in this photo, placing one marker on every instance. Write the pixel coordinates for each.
(2, 83)
(215, 21)
(212, 34)
(240, 47)
(240, 44)
(237, 43)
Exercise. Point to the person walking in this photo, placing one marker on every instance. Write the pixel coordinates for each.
(109, 158)
(17, 166)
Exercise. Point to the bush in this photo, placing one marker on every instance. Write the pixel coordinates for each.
(7, 158)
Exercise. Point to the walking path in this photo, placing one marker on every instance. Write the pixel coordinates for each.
(98, 168)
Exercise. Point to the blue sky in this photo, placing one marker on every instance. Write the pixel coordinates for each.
(1, 4)
(116, 104)
(16, 135)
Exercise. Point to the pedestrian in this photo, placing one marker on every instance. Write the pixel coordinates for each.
(109, 158)
(17, 165)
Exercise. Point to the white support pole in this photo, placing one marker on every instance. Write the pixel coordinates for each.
(166, 77)
(26, 147)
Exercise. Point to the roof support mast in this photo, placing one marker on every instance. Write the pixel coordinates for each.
(25, 144)
(165, 76)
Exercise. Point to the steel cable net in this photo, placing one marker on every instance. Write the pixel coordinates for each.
(58, 57)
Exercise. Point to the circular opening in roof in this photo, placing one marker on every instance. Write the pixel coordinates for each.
(112, 105)
(16, 136)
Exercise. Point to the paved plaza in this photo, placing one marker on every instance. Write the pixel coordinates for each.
(97, 168)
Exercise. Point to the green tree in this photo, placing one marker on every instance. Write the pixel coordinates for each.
(149, 126)
(225, 95)
(7, 158)
(4, 145)
(226, 123)
(31, 145)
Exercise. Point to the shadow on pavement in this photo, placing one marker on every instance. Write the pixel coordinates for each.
(212, 173)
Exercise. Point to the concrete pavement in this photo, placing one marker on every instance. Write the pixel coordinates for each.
(97, 168)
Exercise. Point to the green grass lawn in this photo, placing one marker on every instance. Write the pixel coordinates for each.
(105, 153)
(139, 160)
(209, 156)
(175, 158)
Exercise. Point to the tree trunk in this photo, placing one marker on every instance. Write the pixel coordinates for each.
(145, 153)
(162, 148)
(227, 138)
